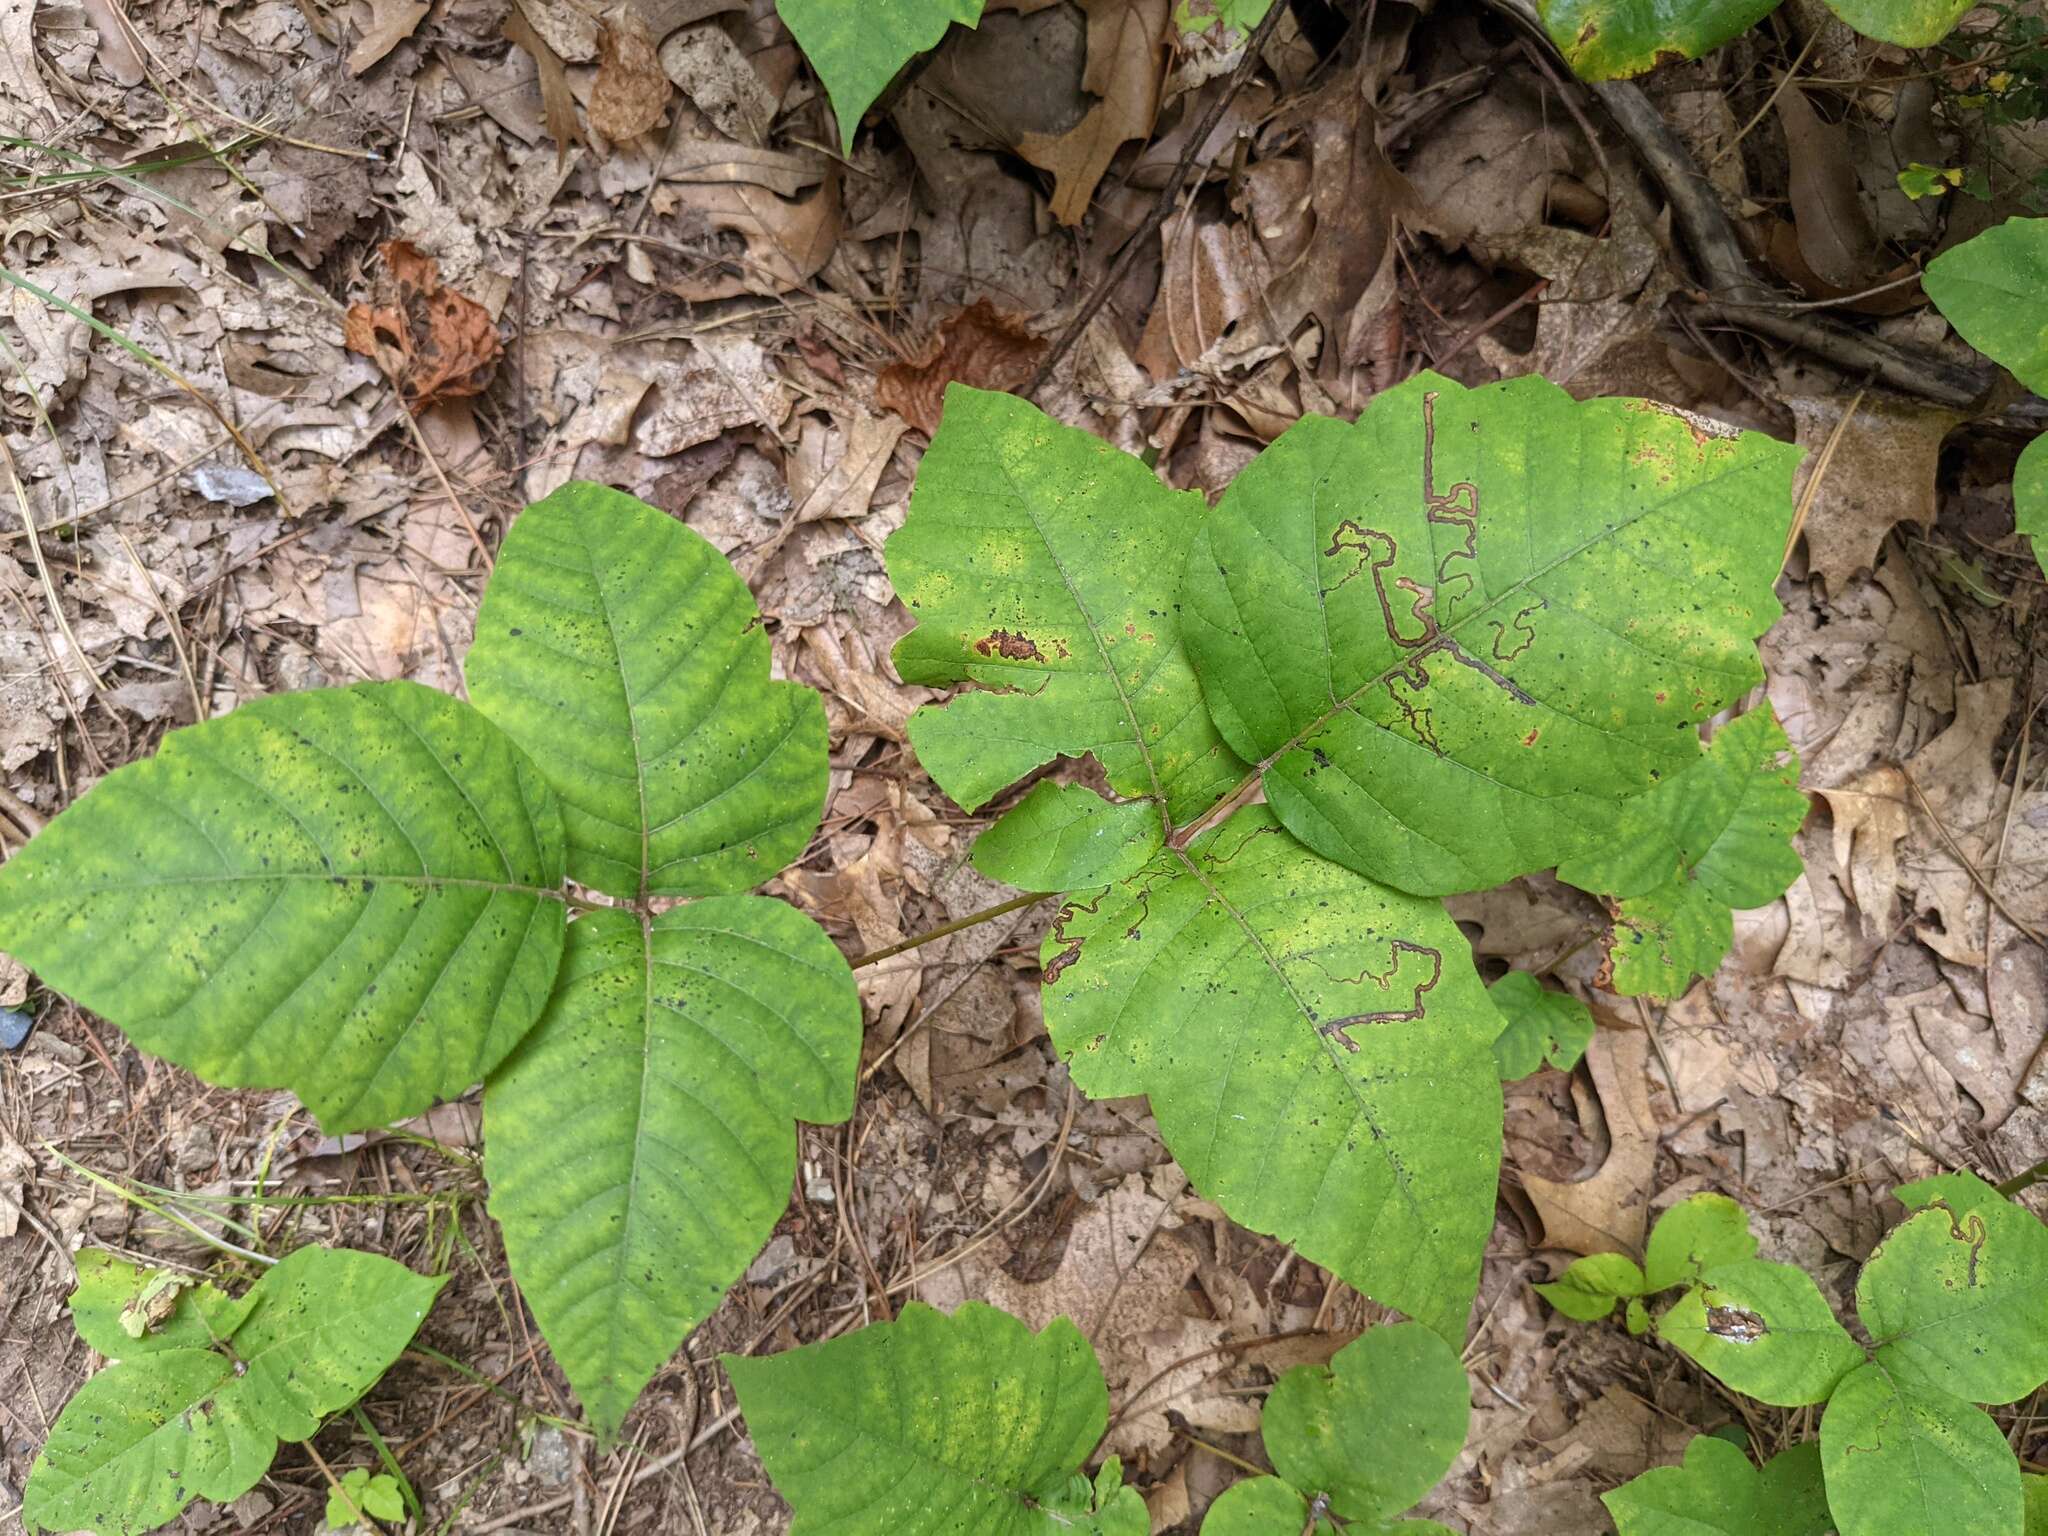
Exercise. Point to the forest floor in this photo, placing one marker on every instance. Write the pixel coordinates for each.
(730, 320)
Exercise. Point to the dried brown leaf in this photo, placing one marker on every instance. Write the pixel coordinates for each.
(1126, 69)
(558, 104)
(632, 89)
(1882, 474)
(391, 23)
(1609, 1212)
(979, 345)
(432, 342)
(1835, 233)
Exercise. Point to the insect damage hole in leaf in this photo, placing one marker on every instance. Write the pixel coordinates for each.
(1456, 634)
(641, 1142)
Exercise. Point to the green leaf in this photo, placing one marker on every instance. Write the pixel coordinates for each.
(1238, 17)
(2037, 1504)
(1909, 23)
(348, 892)
(376, 1497)
(641, 1143)
(932, 1423)
(1717, 1492)
(1543, 1026)
(857, 49)
(2030, 496)
(1043, 565)
(112, 1292)
(1259, 1506)
(1699, 1233)
(143, 1438)
(1612, 39)
(1765, 1330)
(1681, 858)
(1063, 837)
(1910, 1458)
(1994, 290)
(1460, 632)
(1376, 1427)
(1952, 1298)
(1317, 1049)
(1588, 1290)
(624, 653)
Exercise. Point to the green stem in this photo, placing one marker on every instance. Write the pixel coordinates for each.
(2026, 1180)
(972, 919)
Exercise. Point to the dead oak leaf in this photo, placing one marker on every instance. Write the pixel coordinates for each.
(1609, 1212)
(1125, 73)
(558, 103)
(432, 342)
(979, 345)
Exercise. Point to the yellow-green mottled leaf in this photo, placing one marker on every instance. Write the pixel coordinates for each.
(1543, 1027)
(1462, 631)
(1719, 1492)
(857, 46)
(1612, 39)
(1043, 567)
(1902, 1457)
(1765, 1330)
(353, 893)
(1062, 837)
(1909, 23)
(932, 1425)
(1317, 1048)
(1683, 857)
(1953, 1296)
(145, 1437)
(641, 1143)
(627, 657)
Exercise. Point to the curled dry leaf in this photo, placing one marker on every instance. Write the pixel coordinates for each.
(1835, 234)
(632, 89)
(979, 345)
(1609, 1212)
(432, 342)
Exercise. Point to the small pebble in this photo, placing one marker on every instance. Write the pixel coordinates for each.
(14, 1027)
(229, 483)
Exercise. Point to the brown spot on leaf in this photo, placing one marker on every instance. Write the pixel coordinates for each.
(1530, 739)
(1060, 962)
(1017, 647)
(1736, 1324)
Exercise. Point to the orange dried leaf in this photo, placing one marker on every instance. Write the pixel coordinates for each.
(979, 345)
(432, 342)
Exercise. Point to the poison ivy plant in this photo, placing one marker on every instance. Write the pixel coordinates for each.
(641, 1141)
(1685, 855)
(361, 1493)
(1951, 1304)
(1719, 1492)
(1544, 1028)
(1432, 698)
(934, 1424)
(1994, 290)
(857, 48)
(199, 1397)
(360, 893)
(1612, 39)
(1360, 1439)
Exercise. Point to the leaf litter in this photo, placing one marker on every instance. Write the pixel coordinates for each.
(625, 250)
